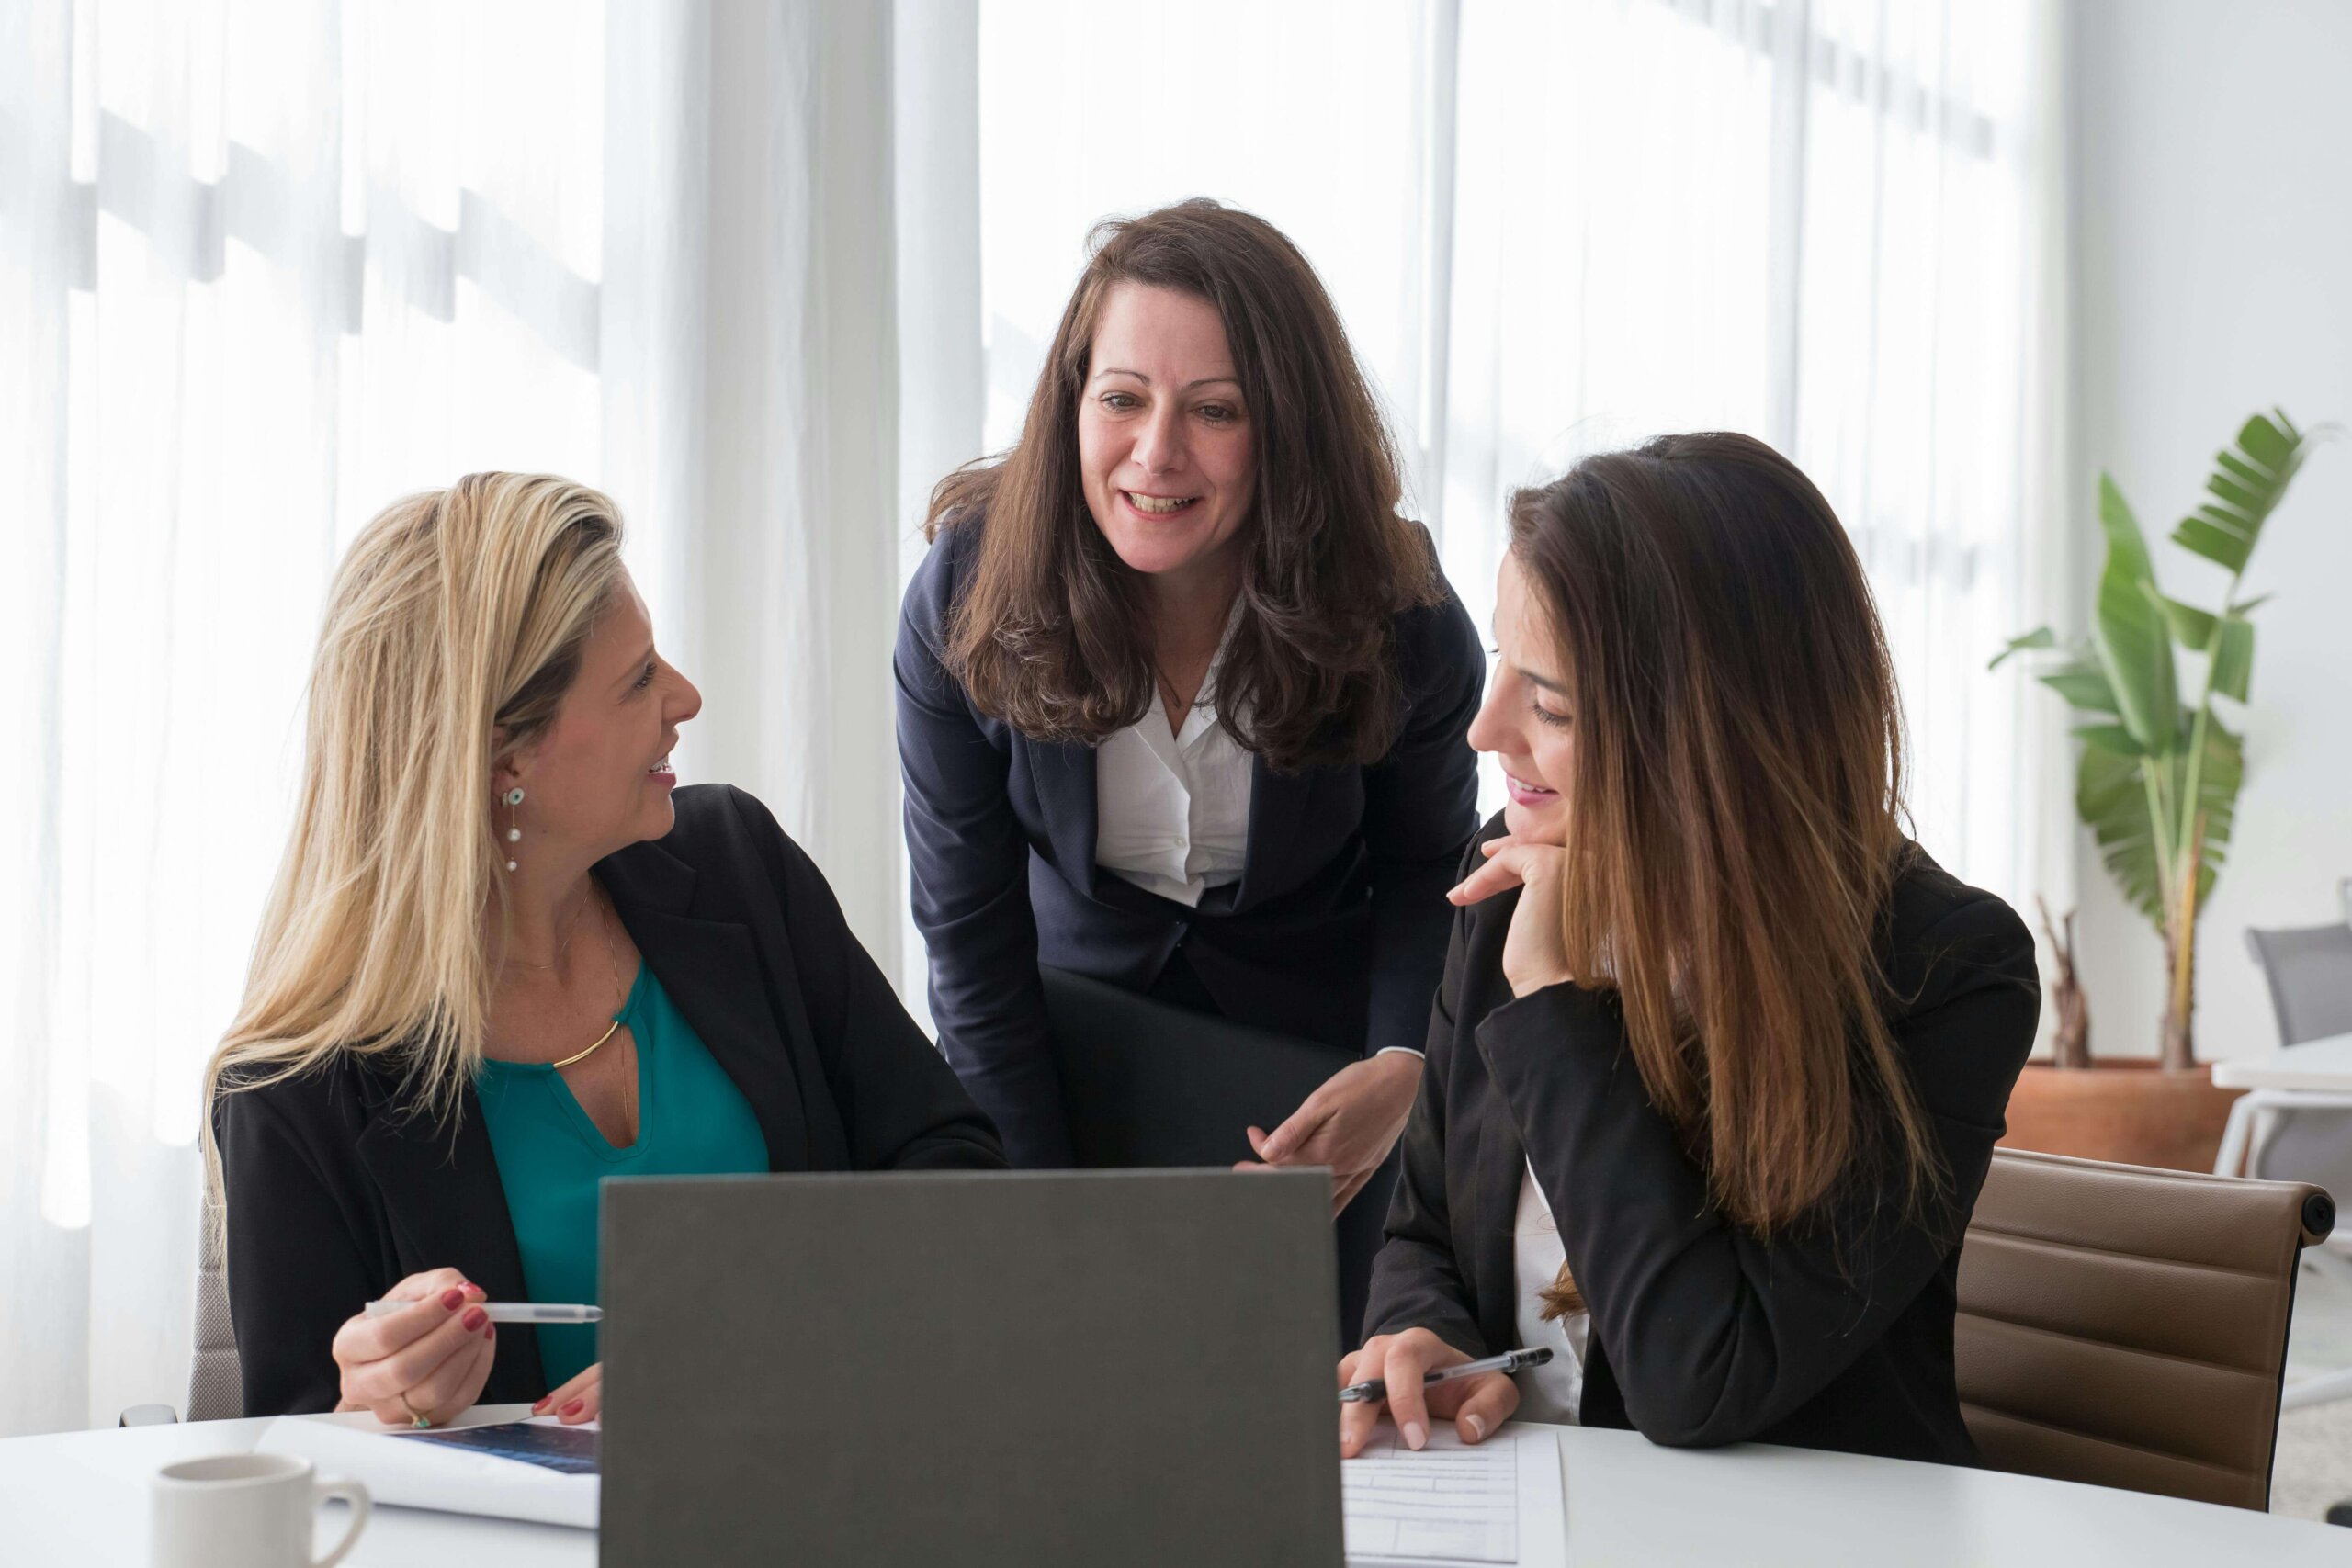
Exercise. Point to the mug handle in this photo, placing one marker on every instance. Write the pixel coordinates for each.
(353, 1493)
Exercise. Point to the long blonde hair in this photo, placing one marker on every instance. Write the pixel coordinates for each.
(454, 627)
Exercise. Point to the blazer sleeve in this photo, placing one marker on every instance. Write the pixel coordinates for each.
(296, 1266)
(899, 1102)
(1417, 1279)
(1421, 813)
(1715, 1334)
(969, 864)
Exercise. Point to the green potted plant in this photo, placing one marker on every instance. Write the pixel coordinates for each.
(2158, 785)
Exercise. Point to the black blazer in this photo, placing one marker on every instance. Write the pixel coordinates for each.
(336, 1194)
(1336, 931)
(1836, 1335)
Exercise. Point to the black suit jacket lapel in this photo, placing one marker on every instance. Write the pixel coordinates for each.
(712, 970)
(1492, 1239)
(446, 1208)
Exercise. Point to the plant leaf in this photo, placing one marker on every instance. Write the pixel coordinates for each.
(2084, 686)
(2234, 657)
(2191, 626)
(2247, 485)
(2134, 642)
(2217, 795)
(2041, 636)
(2110, 738)
(2113, 804)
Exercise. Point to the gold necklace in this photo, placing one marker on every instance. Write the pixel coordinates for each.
(611, 1031)
(613, 1028)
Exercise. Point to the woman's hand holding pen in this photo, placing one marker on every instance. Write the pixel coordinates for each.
(1349, 1123)
(1475, 1406)
(427, 1360)
(1535, 955)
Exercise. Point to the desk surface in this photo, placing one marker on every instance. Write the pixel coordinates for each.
(2323, 1066)
(80, 1497)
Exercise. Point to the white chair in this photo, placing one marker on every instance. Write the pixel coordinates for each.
(2303, 1134)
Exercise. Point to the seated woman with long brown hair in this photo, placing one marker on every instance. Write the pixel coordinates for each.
(1721, 1056)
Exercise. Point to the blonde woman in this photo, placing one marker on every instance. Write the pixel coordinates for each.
(506, 957)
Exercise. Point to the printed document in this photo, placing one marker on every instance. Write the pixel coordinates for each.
(1451, 1504)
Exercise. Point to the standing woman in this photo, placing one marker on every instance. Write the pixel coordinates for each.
(1181, 701)
(505, 960)
(1721, 1056)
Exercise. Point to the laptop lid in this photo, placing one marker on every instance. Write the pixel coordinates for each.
(1032, 1368)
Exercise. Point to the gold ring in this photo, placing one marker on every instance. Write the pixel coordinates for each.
(421, 1422)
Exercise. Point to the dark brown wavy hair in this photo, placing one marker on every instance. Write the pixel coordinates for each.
(1051, 632)
(1735, 823)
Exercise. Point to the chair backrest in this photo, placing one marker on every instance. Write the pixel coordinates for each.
(2309, 971)
(214, 1385)
(2127, 1326)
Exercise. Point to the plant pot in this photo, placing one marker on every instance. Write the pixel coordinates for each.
(2130, 1113)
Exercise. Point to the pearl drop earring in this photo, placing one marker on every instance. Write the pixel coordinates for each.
(514, 833)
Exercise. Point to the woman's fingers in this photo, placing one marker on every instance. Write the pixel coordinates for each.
(435, 1296)
(569, 1390)
(580, 1399)
(1509, 864)
(412, 1364)
(1410, 1356)
(1357, 1422)
(589, 1403)
(1487, 1403)
(1285, 1144)
(448, 1389)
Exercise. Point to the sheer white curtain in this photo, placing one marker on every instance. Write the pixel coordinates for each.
(1557, 226)
(265, 264)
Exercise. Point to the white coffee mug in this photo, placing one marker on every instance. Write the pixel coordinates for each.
(247, 1511)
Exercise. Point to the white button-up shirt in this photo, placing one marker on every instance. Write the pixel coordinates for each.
(1172, 811)
(1554, 1392)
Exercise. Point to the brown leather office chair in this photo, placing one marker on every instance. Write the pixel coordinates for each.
(2127, 1326)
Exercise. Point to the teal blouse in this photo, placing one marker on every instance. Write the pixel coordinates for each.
(691, 1121)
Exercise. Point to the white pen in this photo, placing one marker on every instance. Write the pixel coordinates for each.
(513, 1311)
(1508, 1361)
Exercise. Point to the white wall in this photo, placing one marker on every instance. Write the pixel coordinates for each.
(2213, 277)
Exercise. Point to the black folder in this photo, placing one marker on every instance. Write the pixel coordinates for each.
(1149, 1083)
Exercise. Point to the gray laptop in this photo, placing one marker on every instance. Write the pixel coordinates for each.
(1039, 1368)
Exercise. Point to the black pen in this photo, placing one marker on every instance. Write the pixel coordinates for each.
(1508, 1361)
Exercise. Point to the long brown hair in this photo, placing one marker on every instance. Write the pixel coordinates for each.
(1051, 632)
(1736, 818)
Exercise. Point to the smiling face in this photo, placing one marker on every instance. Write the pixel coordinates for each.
(1165, 445)
(1527, 722)
(598, 778)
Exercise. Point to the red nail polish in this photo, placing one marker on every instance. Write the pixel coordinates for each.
(474, 1319)
(541, 1408)
(452, 1300)
(573, 1408)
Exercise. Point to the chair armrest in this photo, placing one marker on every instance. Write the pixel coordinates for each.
(149, 1416)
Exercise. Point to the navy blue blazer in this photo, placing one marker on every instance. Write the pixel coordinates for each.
(1336, 931)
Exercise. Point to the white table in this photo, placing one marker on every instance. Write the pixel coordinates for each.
(80, 1498)
(2319, 1065)
(2314, 1076)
